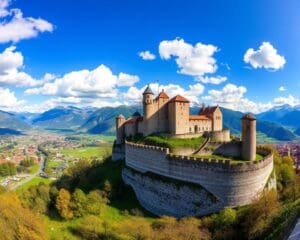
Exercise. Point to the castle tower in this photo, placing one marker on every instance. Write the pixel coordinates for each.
(120, 131)
(148, 102)
(148, 106)
(249, 137)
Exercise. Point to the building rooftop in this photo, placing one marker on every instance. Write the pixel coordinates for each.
(148, 90)
(207, 110)
(249, 116)
(198, 117)
(179, 98)
(162, 94)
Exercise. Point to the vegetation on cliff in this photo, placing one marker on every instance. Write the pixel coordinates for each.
(90, 201)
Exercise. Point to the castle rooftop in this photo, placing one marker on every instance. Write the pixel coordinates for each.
(198, 117)
(249, 116)
(179, 98)
(148, 90)
(162, 94)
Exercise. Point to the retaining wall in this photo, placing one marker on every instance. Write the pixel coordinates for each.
(233, 184)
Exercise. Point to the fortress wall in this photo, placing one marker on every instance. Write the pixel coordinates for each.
(232, 149)
(163, 197)
(220, 136)
(233, 184)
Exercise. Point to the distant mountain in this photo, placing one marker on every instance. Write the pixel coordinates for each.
(103, 120)
(12, 121)
(285, 115)
(232, 120)
(297, 131)
(62, 118)
(8, 131)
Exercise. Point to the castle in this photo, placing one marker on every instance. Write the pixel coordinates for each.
(191, 183)
(170, 116)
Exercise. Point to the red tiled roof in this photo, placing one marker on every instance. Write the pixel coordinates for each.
(207, 110)
(179, 98)
(163, 95)
(198, 117)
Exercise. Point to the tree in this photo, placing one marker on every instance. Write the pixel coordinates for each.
(79, 201)
(260, 214)
(17, 222)
(63, 204)
(287, 174)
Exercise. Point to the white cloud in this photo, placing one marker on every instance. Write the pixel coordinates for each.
(232, 97)
(134, 94)
(14, 27)
(212, 80)
(290, 100)
(281, 89)
(127, 80)
(100, 82)
(192, 60)
(265, 57)
(11, 62)
(8, 99)
(3, 8)
(147, 55)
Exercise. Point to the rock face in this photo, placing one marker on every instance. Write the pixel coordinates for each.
(164, 197)
(229, 184)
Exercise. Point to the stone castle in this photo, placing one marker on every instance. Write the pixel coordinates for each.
(170, 116)
(191, 183)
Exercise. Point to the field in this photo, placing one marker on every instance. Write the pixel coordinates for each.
(88, 152)
(33, 182)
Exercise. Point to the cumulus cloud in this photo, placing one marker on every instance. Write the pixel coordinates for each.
(191, 60)
(134, 94)
(281, 89)
(147, 55)
(127, 80)
(232, 97)
(8, 99)
(212, 80)
(11, 62)
(100, 82)
(14, 27)
(290, 100)
(265, 57)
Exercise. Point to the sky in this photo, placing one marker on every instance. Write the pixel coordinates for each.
(241, 55)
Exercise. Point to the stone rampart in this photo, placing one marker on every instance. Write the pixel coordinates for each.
(167, 197)
(232, 183)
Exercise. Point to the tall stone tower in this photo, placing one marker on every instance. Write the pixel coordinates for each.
(249, 137)
(148, 108)
(120, 131)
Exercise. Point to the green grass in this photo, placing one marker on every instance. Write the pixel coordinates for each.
(34, 181)
(172, 143)
(34, 169)
(88, 152)
(263, 138)
(221, 157)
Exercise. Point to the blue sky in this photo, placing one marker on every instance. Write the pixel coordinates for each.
(239, 54)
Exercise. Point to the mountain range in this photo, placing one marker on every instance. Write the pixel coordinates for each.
(280, 123)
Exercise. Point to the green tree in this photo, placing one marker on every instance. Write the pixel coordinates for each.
(63, 204)
(79, 201)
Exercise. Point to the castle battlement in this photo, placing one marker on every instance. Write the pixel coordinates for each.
(208, 184)
(200, 162)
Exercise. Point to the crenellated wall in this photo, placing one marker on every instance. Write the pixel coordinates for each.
(233, 184)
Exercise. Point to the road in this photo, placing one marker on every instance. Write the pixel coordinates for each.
(295, 235)
(42, 167)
